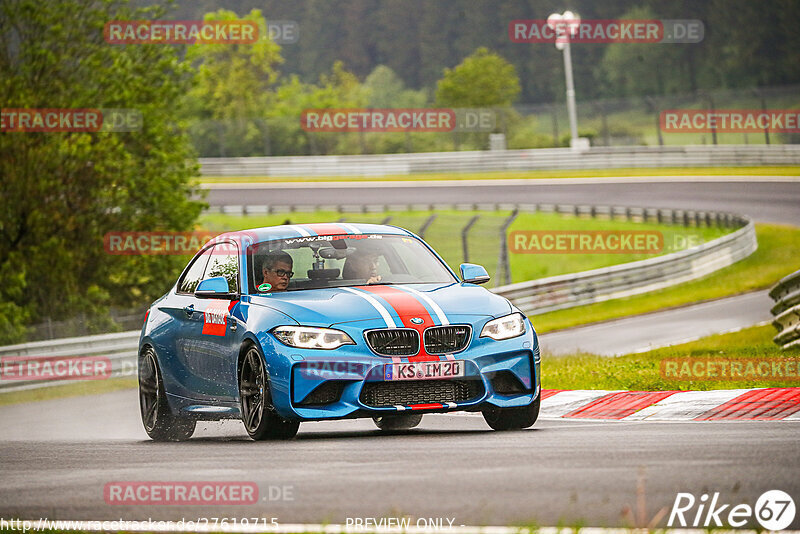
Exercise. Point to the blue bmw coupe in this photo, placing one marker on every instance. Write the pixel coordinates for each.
(279, 325)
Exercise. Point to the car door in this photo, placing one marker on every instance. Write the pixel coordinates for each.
(212, 337)
(180, 305)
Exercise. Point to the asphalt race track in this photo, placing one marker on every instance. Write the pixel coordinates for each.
(763, 200)
(58, 455)
(668, 327)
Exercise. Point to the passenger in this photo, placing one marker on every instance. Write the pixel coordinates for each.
(363, 265)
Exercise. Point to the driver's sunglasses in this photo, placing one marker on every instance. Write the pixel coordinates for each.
(282, 273)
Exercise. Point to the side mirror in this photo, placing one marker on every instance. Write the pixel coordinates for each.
(474, 274)
(214, 288)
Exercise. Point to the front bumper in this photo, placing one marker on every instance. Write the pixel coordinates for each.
(347, 383)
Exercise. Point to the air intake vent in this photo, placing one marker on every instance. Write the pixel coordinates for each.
(394, 342)
(446, 339)
(328, 393)
(420, 392)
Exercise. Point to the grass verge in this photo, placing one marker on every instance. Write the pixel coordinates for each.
(525, 175)
(643, 372)
(76, 389)
(778, 254)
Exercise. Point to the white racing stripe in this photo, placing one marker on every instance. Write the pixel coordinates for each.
(303, 232)
(387, 318)
(350, 227)
(429, 301)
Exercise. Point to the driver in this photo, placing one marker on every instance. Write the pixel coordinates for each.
(362, 265)
(277, 270)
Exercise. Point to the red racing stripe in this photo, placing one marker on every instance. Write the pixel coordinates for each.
(327, 229)
(619, 405)
(549, 392)
(432, 406)
(407, 306)
(770, 404)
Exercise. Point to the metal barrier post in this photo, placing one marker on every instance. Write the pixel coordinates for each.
(464, 232)
(503, 263)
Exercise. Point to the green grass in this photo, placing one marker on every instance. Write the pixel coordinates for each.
(77, 389)
(444, 235)
(778, 254)
(526, 175)
(643, 372)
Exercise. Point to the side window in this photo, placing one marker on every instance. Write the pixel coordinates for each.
(195, 274)
(224, 262)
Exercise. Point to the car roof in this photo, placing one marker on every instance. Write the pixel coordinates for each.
(289, 231)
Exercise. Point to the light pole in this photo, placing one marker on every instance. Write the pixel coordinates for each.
(566, 26)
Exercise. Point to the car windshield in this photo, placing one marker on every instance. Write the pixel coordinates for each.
(342, 260)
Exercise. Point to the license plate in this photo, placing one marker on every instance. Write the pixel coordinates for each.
(423, 370)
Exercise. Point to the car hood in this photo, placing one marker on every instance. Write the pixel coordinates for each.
(331, 306)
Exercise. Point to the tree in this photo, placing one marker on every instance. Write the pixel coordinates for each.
(641, 69)
(62, 192)
(483, 79)
(385, 89)
(229, 101)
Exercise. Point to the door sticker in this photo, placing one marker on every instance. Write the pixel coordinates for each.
(215, 318)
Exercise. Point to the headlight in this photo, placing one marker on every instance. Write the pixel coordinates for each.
(505, 327)
(307, 337)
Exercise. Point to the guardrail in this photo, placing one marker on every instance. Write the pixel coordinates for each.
(505, 160)
(537, 296)
(120, 348)
(627, 279)
(786, 295)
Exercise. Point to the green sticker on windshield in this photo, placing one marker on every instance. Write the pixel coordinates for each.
(264, 287)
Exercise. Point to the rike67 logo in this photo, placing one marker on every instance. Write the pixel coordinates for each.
(774, 510)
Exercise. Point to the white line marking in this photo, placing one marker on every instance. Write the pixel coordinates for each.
(375, 304)
(492, 182)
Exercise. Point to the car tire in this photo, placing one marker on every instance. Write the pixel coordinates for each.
(512, 418)
(260, 419)
(397, 422)
(158, 420)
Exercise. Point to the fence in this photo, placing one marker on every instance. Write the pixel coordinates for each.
(627, 279)
(786, 295)
(505, 160)
(117, 320)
